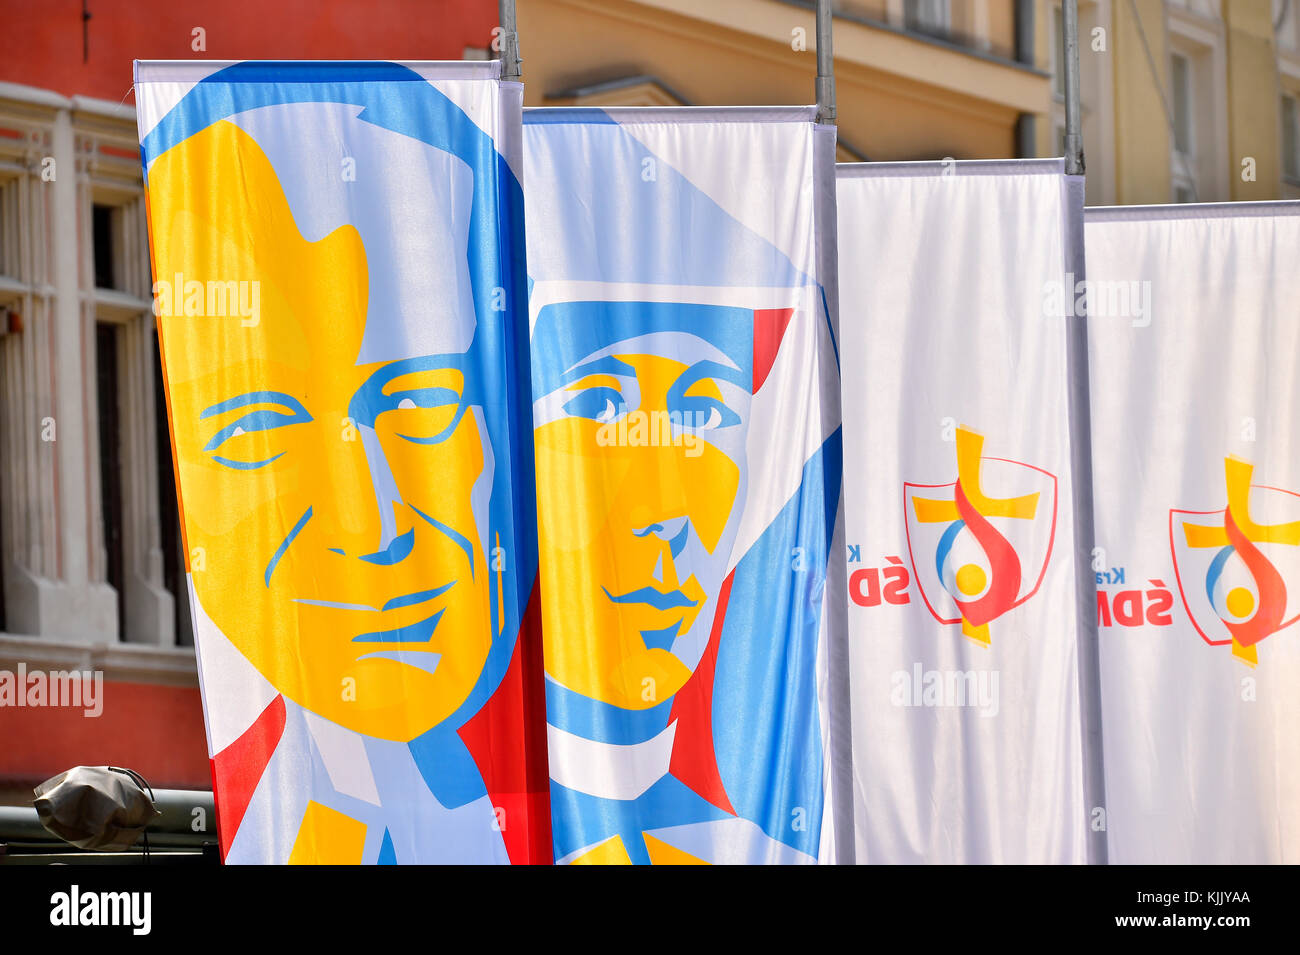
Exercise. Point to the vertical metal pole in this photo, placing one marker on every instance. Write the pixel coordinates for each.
(1073, 114)
(509, 37)
(825, 66)
(1080, 403)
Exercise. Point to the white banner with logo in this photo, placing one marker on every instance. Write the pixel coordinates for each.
(1194, 345)
(963, 596)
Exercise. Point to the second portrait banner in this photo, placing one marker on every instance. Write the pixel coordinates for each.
(688, 479)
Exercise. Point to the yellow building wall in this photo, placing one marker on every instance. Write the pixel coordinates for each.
(1253, 91)
(901, 97)
(1142, 148)
(898, 97)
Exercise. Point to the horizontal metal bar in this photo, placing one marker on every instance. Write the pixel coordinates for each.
(175, 827)
(156, 857)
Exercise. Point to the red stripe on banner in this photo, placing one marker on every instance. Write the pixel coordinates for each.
(238, 768)
(507, 740)
(693, 760)
(769, 329)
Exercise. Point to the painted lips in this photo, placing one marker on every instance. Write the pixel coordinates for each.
(655, 598)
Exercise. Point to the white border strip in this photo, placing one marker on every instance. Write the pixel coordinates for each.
(633, 115)
(1193, 210)
(185, 71)
(940, 167)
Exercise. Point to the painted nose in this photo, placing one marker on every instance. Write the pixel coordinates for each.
(672, 533)
(364, 519)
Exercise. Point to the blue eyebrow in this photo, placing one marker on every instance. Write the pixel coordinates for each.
(255, 398)
(706, 369)
(370, 401)
(609, 365)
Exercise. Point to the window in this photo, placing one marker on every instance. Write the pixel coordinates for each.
(1182, 107)
(1182, 103)
(1286, 21)
(128, 523)
(927, 16)
(9, 227)
(1290, 137)
(171, 543)
(110, 463)
(102, 223)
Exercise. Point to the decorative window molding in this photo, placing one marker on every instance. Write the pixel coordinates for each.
(29, 542)
(1197, 39)
(118, 307)
(60, 158)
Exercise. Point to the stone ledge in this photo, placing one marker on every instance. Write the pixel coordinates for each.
(119, 662)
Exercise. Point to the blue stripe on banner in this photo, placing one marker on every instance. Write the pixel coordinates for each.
(592, 719)
(579, 820)
(767, 726)
(566, 116)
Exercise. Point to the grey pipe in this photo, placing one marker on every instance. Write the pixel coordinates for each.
(825, 65)
(1073, 112)
(511, 64)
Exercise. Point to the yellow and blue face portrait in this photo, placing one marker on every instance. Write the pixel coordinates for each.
(342, 437)
(640, 437)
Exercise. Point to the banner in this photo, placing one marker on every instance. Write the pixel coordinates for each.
(685, 406)
(337, 251)
(960, 529)
(1195, 410)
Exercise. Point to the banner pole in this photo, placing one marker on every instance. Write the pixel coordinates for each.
(511, 68)
(825, 66)
(1073, 113)
(1080, 403)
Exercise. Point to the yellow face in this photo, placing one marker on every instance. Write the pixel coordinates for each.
(623, 524)
(327, 505)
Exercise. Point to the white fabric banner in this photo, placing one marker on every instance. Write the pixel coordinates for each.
(963, 597)
(686, 427)
(333, 237)
(1194, 342)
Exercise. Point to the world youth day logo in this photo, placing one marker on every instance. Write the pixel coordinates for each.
(1232, 564)
(980, 545)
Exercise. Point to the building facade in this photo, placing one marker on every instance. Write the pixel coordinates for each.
(1183, 100)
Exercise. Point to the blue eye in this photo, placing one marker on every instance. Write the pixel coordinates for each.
(702, 413)
(598, 404)
(427, 399)
(261, 419)
(424, 398)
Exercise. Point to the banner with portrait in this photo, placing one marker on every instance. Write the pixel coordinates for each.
(339, 283)
(1194, 345)
(963, 595)
(685, 407)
